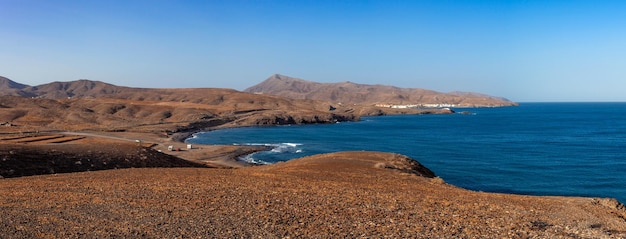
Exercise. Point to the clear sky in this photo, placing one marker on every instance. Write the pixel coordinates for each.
(524, 50)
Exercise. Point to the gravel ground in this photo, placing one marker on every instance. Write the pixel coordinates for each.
(342, 195)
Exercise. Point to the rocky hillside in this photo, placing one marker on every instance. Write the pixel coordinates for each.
(9, 87)
(352, 93)
(340, 195)
(79, 88)
(59, 90)
(85, 104)
(174, 114)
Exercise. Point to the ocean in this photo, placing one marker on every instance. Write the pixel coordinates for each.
(569, 149)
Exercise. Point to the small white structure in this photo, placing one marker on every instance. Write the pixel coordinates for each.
(189, 146)
(170, 148)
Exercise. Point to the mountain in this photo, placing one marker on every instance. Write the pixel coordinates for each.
(6, 83)
(9, 87)
(79, 88)
(85, 104)
(59, 90)
(352, 93)
(347, 93)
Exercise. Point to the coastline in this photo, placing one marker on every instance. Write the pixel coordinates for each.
(162, 139)
(339, 195)
(452, 164)
(344, 195)
(182, 134)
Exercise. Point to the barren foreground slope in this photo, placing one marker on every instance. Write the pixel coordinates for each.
(351, 194)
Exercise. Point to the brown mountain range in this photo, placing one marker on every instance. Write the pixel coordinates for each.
(352, 93)
(86, 104)
(279, 85)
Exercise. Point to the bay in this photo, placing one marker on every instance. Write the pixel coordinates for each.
(571, 149)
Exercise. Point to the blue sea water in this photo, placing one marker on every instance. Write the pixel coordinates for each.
(573, 149)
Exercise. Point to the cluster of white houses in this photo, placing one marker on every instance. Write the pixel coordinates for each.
(416, 106)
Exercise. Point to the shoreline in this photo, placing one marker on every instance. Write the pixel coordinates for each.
(337, 194)
(273, 158)
(186, 132)
(218, 156)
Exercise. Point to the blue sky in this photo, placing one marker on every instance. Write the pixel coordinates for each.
(522, 50)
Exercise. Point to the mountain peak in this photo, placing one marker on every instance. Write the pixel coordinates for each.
(9, 87)
(279, 77)
(278, 81)
(9, 84)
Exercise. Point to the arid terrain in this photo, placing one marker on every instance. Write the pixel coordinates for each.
(353, 93)
(87, 159)
(342, 195)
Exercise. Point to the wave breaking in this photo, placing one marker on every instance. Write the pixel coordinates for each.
(271, 156)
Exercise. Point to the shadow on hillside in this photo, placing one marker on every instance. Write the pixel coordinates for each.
(28, 160)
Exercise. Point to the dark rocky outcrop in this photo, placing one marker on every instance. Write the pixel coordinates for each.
(28, 160)
(284, 118)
